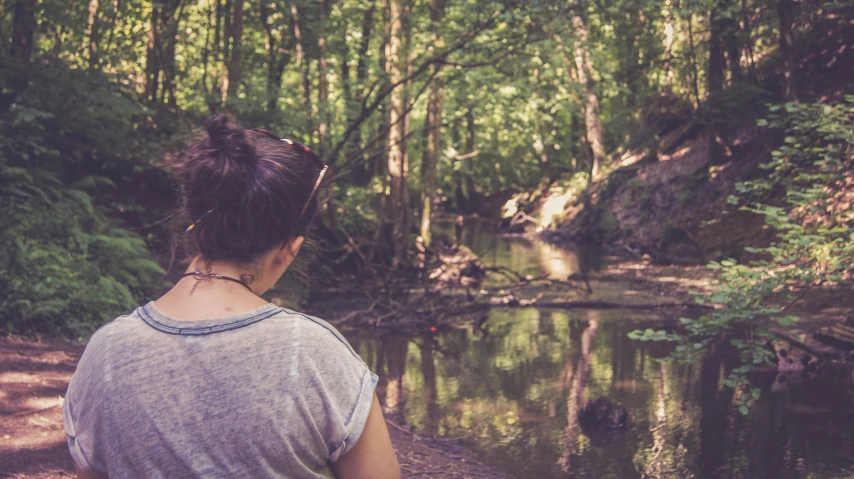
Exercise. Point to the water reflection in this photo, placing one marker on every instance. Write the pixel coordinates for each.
(514, 387)
(526, 256)
(515, 393)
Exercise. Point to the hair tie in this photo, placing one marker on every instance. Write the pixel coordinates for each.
(190, 228)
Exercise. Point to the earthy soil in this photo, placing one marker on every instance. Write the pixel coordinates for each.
(35, 375)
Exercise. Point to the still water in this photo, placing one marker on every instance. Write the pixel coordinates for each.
(512, 390)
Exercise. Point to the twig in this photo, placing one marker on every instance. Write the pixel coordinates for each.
(609, 305)
(400, 428)
(27, 413)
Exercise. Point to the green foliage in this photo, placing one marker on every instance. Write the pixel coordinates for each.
(66, 267)
(355, 204)
(814, 247)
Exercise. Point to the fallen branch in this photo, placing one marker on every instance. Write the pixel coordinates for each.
(605, 305)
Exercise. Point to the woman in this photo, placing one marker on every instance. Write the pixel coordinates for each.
(210, 380)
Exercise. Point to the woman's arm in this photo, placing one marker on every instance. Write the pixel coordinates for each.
(373, 456)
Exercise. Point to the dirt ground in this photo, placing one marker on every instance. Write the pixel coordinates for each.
(33, 379)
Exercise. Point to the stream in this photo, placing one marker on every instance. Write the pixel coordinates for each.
(511, 390)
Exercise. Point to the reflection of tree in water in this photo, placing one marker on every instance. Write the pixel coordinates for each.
(656, 466)
(782, 442)
(508, 390)
(669, 457)
(576, 391)
(428, 371)
(392, 355)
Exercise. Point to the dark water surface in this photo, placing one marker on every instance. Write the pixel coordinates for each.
(513, 391)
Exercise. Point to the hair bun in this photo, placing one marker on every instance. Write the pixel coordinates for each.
(230, 140)
(217, 166)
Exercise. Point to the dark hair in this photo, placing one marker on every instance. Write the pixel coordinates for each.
(254, 186)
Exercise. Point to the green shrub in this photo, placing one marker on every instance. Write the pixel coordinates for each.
(66, 267)
(814, 247)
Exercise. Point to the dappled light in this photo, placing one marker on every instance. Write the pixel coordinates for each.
(571, 239)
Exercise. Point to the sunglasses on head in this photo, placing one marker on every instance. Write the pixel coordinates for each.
(309, 154)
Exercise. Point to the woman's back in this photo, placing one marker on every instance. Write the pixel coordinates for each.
(267, 393)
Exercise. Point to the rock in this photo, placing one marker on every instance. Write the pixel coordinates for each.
(601, 413)
(790, 358)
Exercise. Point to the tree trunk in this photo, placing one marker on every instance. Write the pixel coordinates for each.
(787, 48)
(160, 52)
(152, 57)
(406, 219)
(695, 75)
(363, 174)
(23, 29)
(732, 42)
(591, 107)
(301, 59)
(385, 228)
(465, 194)
(748, 43)
(433, 125)
(716, 78)
(170, 22)
(322, 87)
(93, 34)
(206, 52)
(278, 56)
(235, 58)
(668, 44)
(111, 28)
(218, 54)
(397, 170)
(170, 19)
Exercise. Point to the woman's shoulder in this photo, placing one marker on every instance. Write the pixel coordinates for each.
(313, 332)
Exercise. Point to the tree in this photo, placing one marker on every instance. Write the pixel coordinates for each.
(93, 36)
(398, 169)
(784, 13)
(322, 87)
(24, 27)
(279, 44)
(584, 70)
(160, 52)
(234, 63)
(432, 128)
(716, 76)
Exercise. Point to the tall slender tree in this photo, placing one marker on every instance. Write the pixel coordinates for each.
(279, 43)
(584, 70)
(396, 57)
(234, 65)
(23, 29)
(322, 86)
(787, 47)
(93, 34)
(433, 127)
(716, 78)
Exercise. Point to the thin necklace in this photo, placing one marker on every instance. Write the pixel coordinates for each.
(209, 276)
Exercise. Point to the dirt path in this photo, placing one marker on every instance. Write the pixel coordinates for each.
(33, 379)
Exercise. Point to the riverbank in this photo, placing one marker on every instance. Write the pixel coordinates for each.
(34, 377)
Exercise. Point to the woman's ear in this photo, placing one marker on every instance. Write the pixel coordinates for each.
(288, 252)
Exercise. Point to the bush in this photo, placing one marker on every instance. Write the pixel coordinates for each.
(66, 267)
(814, 247)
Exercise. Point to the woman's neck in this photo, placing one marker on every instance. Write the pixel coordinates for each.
(206, 297)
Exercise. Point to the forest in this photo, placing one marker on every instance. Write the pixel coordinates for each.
(696, 153)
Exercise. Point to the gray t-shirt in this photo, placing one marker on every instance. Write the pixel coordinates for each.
(270, 393)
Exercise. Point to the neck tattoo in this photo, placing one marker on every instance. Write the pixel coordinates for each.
(199, 276)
